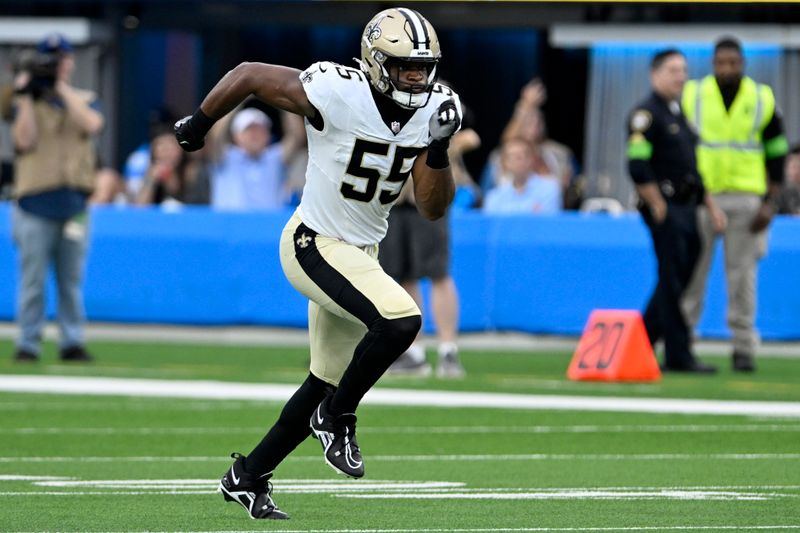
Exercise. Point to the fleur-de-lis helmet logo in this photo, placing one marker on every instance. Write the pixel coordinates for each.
(374, 30)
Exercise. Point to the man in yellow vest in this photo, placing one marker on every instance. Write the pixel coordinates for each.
(740, 157)
(54, 171)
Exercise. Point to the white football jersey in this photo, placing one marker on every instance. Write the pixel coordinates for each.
(357, 164)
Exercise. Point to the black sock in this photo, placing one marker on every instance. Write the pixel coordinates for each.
(291, 428)
(380, 347)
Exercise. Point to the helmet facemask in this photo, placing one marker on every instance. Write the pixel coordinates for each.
(408, 94)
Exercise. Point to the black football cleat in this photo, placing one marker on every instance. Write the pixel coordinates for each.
(338, 438)
(76, 354)
(254, 494)
(25, 356)
(695, 367)
(743, 362)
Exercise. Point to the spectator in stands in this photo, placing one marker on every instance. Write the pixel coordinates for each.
(109, 187)
(741, 162)
(173, 176)
(138, 161)
(789, 198)
(468, 193)
(251, 172)
(521, 189)
(53, 133)
(528, 124)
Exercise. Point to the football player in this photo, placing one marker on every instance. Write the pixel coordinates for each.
(369, 129)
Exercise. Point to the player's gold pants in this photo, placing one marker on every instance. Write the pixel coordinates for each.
(347, 290)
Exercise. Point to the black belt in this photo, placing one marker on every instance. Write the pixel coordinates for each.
(681, 192)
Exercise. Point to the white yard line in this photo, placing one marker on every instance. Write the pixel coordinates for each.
(382, 396)
(424, 458)
(431, 490)
(577, 495)
(682, 495)
(503, 529)
(414, 430)
(584, 457)
(336, 485)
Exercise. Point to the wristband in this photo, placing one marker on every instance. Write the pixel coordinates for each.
(201, 123)
(437, 154)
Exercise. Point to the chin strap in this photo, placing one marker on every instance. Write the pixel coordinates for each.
(409, 97)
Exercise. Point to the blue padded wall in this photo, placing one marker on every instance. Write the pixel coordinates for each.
(532, 274)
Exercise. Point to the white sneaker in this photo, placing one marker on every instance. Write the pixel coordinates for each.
(405, 365)
(449, 366)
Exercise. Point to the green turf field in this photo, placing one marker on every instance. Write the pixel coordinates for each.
(116, 463)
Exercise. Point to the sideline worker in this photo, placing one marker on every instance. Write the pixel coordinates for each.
(740, 157)
(661, 161)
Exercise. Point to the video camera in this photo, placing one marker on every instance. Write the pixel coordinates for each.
(42, 67)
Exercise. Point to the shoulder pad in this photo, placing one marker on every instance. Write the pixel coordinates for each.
(332, 88)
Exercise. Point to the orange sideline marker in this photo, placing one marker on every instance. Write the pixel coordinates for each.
(614, 347)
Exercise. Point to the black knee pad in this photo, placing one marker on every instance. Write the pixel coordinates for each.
(400, 331)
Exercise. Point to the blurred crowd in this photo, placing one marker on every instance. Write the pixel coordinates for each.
(255, 158)
(250, 162)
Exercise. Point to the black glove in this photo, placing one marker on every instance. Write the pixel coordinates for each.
(190, 131)
(444, 123)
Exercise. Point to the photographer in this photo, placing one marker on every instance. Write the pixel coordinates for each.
(54, 176)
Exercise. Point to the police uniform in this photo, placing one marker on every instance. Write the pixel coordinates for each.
(661, 150)
(361, 152)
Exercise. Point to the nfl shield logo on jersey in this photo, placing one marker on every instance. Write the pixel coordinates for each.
(395, 127)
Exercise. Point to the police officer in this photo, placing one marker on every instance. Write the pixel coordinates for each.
(661, 161)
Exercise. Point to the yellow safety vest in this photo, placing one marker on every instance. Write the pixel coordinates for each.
(730, 154)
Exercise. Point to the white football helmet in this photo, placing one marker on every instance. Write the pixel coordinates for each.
(403, 35)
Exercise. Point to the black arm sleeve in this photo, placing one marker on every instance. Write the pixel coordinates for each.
(774, 127)
(775, 168)
(641, 171)
(775, 164)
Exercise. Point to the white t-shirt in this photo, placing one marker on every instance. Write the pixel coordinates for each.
(357, 164)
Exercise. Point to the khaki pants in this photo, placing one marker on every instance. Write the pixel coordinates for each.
(743, 249)
(347, 289)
